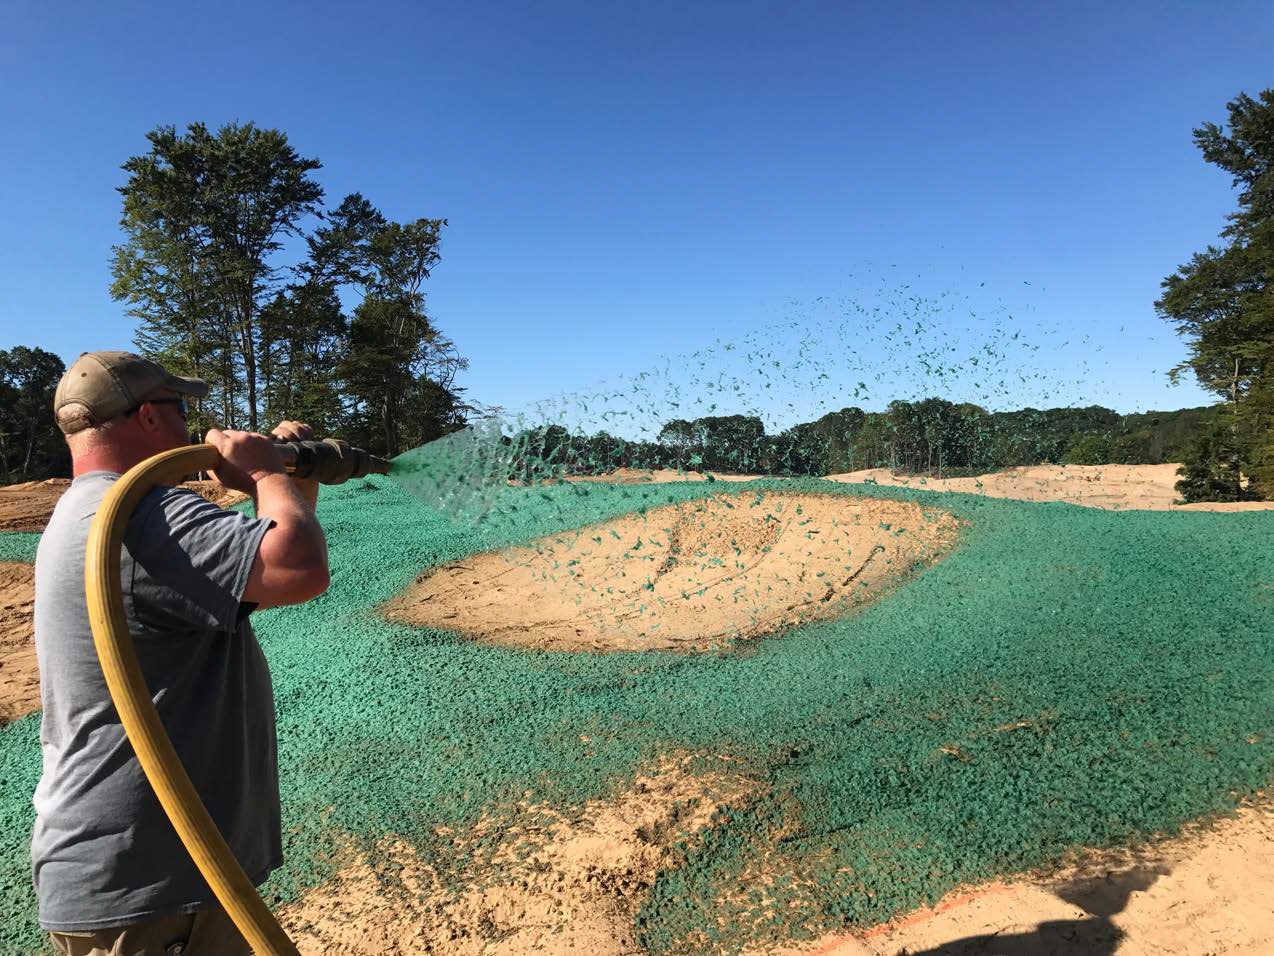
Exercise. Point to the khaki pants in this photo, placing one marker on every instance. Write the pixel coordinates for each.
(206, 933)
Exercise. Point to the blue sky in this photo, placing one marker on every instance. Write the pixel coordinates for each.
(631, 181)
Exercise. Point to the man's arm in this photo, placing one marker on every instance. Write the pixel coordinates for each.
(291, 564)
(299, 431)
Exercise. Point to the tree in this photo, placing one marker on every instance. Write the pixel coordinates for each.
(1222, 300)
(31, 445)
(204, 215)
(1211, 471)
(396, 356)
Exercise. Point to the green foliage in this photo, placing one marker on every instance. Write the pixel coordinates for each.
(203, 271)
(1088, 450)
(31, 446)
(1222, 300)
(1212, 468)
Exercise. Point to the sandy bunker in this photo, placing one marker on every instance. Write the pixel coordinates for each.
(692, 576)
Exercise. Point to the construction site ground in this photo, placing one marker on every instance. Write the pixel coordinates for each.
(973, 724)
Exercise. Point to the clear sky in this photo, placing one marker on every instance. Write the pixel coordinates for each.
(631, 181)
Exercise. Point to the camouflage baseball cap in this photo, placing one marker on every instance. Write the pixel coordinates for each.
(101, 385)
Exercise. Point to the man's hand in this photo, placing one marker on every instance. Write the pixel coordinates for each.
(293, 431)
(246, 458)
(299, 431)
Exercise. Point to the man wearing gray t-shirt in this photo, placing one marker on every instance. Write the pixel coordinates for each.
(110, 872)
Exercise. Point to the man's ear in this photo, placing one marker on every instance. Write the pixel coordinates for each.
(148, 418)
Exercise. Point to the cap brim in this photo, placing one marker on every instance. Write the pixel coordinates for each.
(194, 387)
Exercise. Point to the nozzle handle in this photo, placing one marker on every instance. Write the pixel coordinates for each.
(330, 462)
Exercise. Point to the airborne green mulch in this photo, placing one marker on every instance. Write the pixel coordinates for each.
(1068, 677)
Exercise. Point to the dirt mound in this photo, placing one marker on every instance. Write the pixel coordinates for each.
(655, 476)
(1114, 487)
(19, 674)
(690, 577)
(27, 507)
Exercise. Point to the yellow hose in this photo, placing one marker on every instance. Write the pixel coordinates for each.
(124, 679)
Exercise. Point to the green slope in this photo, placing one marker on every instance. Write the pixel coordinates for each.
(1129, 652)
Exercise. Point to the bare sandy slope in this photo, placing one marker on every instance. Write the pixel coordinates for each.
(19, 675)
(691, 577)
(1116, 487)
(548, 883)
(645, 476)
(26, 507)
(1207, 892)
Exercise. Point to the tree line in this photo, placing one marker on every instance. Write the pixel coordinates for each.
(932, 437)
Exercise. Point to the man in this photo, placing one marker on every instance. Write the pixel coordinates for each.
(110, 872)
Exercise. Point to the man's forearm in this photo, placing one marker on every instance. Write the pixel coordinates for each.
(292, 510)
(308, 490)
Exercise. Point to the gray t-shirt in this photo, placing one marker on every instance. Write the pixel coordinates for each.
(103, 852)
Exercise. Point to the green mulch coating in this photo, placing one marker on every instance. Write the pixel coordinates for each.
(1068, 677)
(18, 546)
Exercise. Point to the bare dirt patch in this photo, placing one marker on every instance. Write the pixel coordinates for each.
(1205, 892)
(27, 507)
(19, 674)
(1114, 487)
(687, 577)
(655, 476)
(553, 883)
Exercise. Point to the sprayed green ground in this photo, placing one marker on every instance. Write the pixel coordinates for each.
(1132, 649)
(18, 546)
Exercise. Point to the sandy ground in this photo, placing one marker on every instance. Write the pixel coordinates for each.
(550, 884)
(19, 675)
(1204, 893)
(642, 476)
(1115, 487)
(691, 577)
(1207, 892)
(26, 507)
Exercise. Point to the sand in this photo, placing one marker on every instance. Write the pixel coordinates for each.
(26, 507)
(549, 884)
(584, 878)
(1115, 487)
(1210, 891)
(19, 674)
(696, 576)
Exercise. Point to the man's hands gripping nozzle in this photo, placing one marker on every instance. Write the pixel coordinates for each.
(247, 456)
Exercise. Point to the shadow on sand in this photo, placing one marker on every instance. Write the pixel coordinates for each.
(1101, 897)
